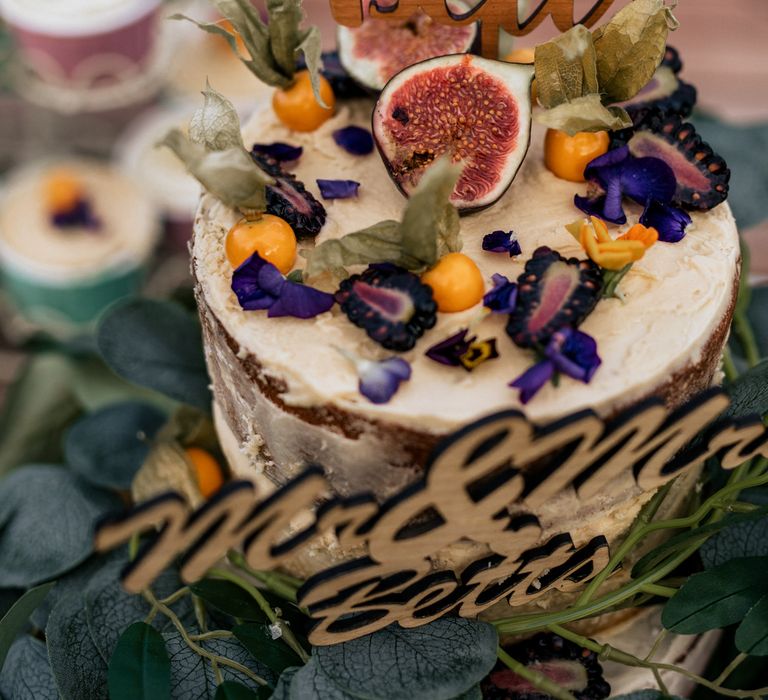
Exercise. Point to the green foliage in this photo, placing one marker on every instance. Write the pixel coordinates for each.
(157, 344)
(749, 392)
(41, 536)
(230, 690)
(139, 668)
(441, 660)
(12, 623)
(650, 694)
(718, 597)
(27, 675)
(752, 633)
(741, 537)
(273, 653)
(229, 598)
(107, 447)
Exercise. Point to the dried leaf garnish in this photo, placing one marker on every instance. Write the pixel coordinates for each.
(429, 229)
(273, 48)
(630, 48)
(586, 113)
(215, 155)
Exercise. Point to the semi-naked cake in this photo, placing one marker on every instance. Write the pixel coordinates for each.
(353, 320)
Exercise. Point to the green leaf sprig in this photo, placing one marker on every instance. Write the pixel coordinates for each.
(580, 74)
(215, 155)
(429, 229)
(273, 47)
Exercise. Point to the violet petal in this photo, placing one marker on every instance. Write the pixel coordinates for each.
(300, 301)
(281, 152)
(79, 216)
(502, 299)
(648, 178)
(530, 381)
(667, 219)
(502, 242)
(596, 206)
(248, 284)
(379, 381)
(574, 353)
(611, 159)
(449, 351)
(338, 189)
(354, 140)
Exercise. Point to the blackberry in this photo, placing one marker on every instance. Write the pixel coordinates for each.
(289, 199)
(566, 663)
(672, 60)
(702, 175)
(552, 292)
(390, 304)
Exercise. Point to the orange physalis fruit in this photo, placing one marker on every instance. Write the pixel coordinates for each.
(296, 106)
(269, 236)
(609, 253)
(63, 190)
(456, 281)
(568, 156)
(208, 472)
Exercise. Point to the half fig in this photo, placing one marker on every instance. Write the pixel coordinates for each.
(380, 48)
(475, 109)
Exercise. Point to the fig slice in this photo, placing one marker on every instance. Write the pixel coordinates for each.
(475, 109)
(380, 48)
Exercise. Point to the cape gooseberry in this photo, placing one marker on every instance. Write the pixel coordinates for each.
(474, 109)
(379, 48)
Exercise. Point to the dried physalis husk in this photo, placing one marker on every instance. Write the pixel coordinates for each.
(166, 469)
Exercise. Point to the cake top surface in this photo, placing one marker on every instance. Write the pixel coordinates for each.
(674, 298)
(121, 230)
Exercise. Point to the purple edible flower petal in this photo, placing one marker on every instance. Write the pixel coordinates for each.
(616, 175)
(281, 152)
(530, 381)
(667, 219)
(570, 352)
(449, 351)
(259, 285)
(379, 381)
(354, 140)
(502, 299)
(338, 189)
(502, 242)
(79, 216)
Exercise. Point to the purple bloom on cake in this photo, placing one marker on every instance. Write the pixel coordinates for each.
(460, 351)
(502, 299)
(669, 220)
(259, 285)
(502, 242)
(354, 140)
(281, 152)
(569, 352)
(379, 381)
(79, 216)
(338, 189)
(616, 175)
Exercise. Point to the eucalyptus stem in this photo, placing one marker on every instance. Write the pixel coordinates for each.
(282, 584)
(263, 603)
(660, 637)
(536, 679)
(202, 625)
(730, 668)
(133, 546)
(200, 651)
(176, 595)
(729, 367)
(213, 634)
(746, 336)
(661, 591)
(609, 653)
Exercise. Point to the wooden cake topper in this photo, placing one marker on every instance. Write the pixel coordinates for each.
(492, 15)
(472, 481)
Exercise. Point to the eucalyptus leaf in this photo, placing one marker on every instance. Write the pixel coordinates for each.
(744, 538)
(38, 408)
(157, 344)
(8, 596)
(716, 598)
(273, 653)
(310, 683)
(216, 124)
(752, 633)
(193, 677)
(283, 687)
(566, 67)
(630, 47)
(429, 229)
(586, 113)
(228, 598)
(650, 694)
(440, 660)
(12, 623)
(28, 674)
(79, 670)
(749, 392)
(46, 523)
(229, 690)
(139, 668)
(107, 447)
(230, 175)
